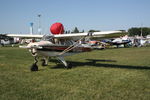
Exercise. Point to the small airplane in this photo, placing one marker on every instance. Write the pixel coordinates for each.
(120, 41)
(58, 45)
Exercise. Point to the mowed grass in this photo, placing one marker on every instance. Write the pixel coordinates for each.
(111, 74)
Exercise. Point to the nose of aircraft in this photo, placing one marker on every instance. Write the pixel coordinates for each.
(32, 45)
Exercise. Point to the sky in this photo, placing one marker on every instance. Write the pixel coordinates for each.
(16, 15)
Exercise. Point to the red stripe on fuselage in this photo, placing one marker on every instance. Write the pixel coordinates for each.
(62, 48)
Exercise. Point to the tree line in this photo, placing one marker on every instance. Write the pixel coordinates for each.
(76, 30)
(144, 31)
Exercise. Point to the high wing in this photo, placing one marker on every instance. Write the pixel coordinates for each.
(24, 35)
(90, 34)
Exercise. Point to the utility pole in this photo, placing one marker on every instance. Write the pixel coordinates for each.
(39, 28)
(141, 30)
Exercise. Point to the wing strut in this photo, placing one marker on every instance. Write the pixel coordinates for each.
(74, 45)
(63, 61)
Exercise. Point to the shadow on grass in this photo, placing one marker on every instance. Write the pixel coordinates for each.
(93, 63)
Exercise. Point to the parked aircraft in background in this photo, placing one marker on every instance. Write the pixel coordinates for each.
(6, 40)
(120, 41)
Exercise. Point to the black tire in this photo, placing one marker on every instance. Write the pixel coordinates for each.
(69, 66)
(34, 67)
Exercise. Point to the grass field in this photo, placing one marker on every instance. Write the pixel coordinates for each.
(111, 74)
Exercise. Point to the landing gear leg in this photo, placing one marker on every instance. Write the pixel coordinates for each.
(68, 66)
(34, 66)
(44, 61)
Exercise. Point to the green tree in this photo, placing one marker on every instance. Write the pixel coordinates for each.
(137, 31)
(68, 31)
(82, 31)
(94, 30)
(75, 30)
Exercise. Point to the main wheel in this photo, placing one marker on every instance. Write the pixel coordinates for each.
(34, 67)
(69, 66)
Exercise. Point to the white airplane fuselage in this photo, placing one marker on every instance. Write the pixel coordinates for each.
(49, 49)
